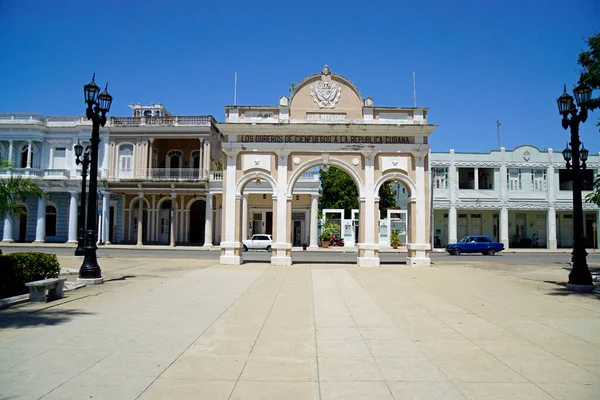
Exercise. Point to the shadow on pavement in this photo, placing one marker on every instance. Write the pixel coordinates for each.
(562, 290)
(48, 317)
(124, 277)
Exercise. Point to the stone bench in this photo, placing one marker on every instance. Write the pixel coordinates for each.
(54, 286)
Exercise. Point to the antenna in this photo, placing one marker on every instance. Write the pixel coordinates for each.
(414, 89)
(235, 88)
(498, 125)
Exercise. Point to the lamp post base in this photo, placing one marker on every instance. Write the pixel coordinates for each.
(581, 288)
(93, 281)
(90, 268)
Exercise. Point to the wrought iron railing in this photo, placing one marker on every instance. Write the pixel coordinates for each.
(163, 120)
(157, 174)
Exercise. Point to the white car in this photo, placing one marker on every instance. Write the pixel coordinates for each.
(258, 242)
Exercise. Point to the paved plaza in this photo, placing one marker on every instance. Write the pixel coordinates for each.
(177, 328)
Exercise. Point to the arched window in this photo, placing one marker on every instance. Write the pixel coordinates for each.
(195, 162)
(148, 113)
(126, 161)
(157, 113)
(174, 159)
(50, 221)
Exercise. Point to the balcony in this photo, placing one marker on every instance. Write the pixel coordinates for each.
(156, 174)
(59, 174)
(200, 120)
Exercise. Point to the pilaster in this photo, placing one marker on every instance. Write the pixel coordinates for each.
(73, 217)
(282, 247)
(368, 251)
(418, 251)
(208, 229)
(40, 229)
(231, 246)
(314, 231)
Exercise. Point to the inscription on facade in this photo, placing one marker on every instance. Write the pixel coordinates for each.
(325, 117)
(326, 139)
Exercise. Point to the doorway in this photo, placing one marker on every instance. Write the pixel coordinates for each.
(164, 222)
(269, 223)
(197, 218)
(22, 228)
(297, 238)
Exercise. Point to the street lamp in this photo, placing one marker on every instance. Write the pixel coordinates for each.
(82, 158)
(98, 105)
(580, 278)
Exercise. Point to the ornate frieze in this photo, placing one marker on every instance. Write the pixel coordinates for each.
(325, 94)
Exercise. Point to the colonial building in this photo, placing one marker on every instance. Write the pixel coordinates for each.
(521, 197)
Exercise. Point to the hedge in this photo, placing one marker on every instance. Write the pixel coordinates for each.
(16, 269)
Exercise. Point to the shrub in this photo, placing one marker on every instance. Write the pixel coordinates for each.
(16, 269)
(395, 236)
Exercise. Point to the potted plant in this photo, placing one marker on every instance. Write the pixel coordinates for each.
(325, 238)
(395, 238)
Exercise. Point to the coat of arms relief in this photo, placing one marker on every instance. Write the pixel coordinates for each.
(325, 94)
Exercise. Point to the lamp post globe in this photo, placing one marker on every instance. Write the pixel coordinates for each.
(98, 105)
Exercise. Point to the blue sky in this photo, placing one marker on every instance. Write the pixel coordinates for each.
(475, 61)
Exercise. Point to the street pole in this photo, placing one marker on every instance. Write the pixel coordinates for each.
(85, 161)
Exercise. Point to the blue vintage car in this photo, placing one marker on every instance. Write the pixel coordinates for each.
(475, 244)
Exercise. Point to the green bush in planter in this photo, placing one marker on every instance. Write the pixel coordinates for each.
(16, 269)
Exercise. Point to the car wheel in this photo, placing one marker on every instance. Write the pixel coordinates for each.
(269, 249)
(491, 252)
(457, 251)
(245, 248)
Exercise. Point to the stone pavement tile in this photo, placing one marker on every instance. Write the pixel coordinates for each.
(10, 357)
(343, 348)
(549, 370)
(372, 319)
(446, 349)
(571, 391)
(17, 385)
(425, 390)
(246, 390)
(188, 389)
(101, 340)
(340, 369)
(285, 348)
(394, 348)
(282, 333)
(206, 367)
(334, 320)
(66, 360)
(92, 386)
(382, 333)
(477, 367)
(158, 340)
(222, 346)
(219, 330)
(41, 338)
(409, 370)
(151, 362)
(503, 391)
(573, 350)
(7, 333)
(338, 333)
(285, 369)
(355, 391)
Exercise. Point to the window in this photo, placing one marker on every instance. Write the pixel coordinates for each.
(514, 179)
(195, 159)
(538, 180)
(59, 158)
(440, 178)
(466, 178)
(565, 179)
(50, 221)
(126, 161)
(485, 178)
(174, 158)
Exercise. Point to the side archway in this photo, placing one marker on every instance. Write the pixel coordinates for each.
(398, 176)
(330, 162)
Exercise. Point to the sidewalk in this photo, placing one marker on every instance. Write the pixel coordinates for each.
(183, 329)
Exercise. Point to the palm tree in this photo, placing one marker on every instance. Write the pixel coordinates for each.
(15, 188)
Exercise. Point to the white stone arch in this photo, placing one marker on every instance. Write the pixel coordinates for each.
(172, 153)
(250, 176)
(398, 176)
(193, 200)
(165, 198)
(146, 203)
(330, 162)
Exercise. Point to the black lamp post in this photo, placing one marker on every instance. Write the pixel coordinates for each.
(82, 158)
(98, 105)
(580, 278)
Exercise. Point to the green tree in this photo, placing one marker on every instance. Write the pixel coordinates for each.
(589, 61)
(14, 188)
(338, 190)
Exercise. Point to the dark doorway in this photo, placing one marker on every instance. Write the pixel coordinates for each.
(111, 223)
(297, 233)
(22, 227)
(269, 223)
(197, 219)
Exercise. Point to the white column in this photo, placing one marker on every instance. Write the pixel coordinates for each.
(282, 248)
(11, 150)
(314, 211)
(504, 226)
(181, 219)
(29, 154)
(418, 251)
(207, 156)
(106, 217)
(8, 229)
(140, 221)
(172, 221)
(452, 233)
(201, 160)
(230, 248)
(208, 234)
(551, 224)
(245, 216)
(73, 218)
(40, 229)
(368, 252)
(476, 177)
